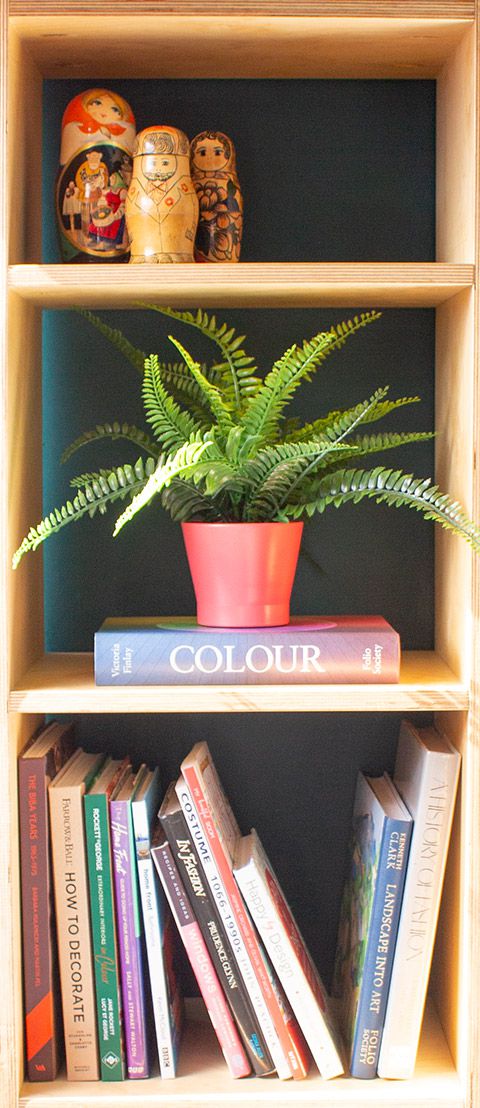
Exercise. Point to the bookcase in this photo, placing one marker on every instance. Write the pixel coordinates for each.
(344, 39)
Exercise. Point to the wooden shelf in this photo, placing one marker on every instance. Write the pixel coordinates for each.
(204, 1081)
(248, 284)
(259, 38)
(64, 683)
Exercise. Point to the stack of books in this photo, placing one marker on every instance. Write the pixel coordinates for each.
(134, 868)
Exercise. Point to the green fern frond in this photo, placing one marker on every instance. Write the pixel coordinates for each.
(175, 376)
(96, 494)
(182, 464)
(378, 411)
(262, 415)
(237, 369)
(211, 393)
(135, 356)
(115, 430)
(343, 331)
(395, 488)
(171, 424)
(271, 476)
(186, 503)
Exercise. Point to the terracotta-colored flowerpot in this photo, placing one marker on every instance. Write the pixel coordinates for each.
(242, 573)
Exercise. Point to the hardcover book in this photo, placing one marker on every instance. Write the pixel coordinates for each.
(200, 961)
(70, 877)
(129, 925)
(167, 1000)
(41, 759)
(288, 953)
(308, 650)
(103, 921)
(203, 905)
(201, 793)
(426, 776)
(381, 830)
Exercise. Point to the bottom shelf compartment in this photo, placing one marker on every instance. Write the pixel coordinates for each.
(203, 1079)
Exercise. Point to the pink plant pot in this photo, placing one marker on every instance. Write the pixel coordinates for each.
(242, 573)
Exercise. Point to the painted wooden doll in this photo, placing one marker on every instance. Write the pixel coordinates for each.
(162, 205)
(214, 174)
(98, 132)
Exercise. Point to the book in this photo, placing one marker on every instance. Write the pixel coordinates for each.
(308, 650)
(381, 830)
(167, 1000)
(200, 960)
(202, 797)
(208, 917)
(426, 776)
(65, 794)
(103, 920)
(40, 760)
(289, 955)
(129, 926)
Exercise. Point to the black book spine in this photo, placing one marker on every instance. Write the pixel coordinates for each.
(211, 926)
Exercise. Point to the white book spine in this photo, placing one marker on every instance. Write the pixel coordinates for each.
(241, 954)
(156, 970)
(253, 886)
(418, 921)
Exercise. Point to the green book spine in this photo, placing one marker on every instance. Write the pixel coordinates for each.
(104, 942)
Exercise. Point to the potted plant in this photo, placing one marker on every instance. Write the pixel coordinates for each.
(240, 477)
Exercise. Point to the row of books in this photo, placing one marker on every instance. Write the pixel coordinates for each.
(128, 859)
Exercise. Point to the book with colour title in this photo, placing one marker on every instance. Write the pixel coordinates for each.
(200, 791)
(288, 952)
(129, 926)
(160, 936)
(200, 961)
(426, 776)
(204, 908)
(70, 878)
(380, 838)
(41, 759)
(103, 920)
(308, 650)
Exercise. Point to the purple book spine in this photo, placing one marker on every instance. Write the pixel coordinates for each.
(129, 938)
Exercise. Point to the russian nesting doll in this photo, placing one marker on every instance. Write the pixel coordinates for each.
(162, 205)
(98, 132)
(214, 174)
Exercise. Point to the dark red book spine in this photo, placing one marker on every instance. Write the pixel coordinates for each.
(43, 1021)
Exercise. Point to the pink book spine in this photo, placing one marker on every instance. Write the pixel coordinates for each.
(297, 1060)
(201, 962)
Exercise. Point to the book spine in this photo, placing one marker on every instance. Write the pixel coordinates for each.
(74, 935)
(163, 1010)
(129, 656)
(104, 939)
(129, 939)
(201, 962)
(37, 923)
(377, 968)
(213, 931)
(239, 929)
(284, 951)
(418, 919)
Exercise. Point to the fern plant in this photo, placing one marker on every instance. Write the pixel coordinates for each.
(219, 446)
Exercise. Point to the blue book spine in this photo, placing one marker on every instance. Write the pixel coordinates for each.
(336, 649)
(380, 949)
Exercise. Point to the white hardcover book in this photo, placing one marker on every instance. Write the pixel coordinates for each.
(289, 956)
(244, 964)
(426, 776)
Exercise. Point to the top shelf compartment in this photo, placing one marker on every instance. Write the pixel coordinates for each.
(401, 39)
